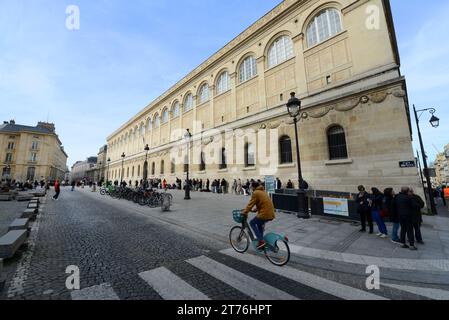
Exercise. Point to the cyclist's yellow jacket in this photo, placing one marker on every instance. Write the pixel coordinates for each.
(263, 203)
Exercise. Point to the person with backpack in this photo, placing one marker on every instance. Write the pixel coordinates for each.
(364, 210)
(417, 205)
(377, 203)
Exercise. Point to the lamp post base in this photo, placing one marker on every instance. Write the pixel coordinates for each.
(303, 205)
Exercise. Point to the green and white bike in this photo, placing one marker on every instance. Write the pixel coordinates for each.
(276, 250)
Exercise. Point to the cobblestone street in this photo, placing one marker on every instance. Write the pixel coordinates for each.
(125, 251)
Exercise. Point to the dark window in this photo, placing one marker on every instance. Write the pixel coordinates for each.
(249, 155)
(202, 162)
(173, 167)
(138, 171)
(30, 173)
(337, 143)
(285, 150)
(162, 166)
(153, 169)
(224, 160)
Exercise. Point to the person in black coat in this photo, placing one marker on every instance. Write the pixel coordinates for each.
(403, 203)
(364, 209)
(390, 207)
(417, 205)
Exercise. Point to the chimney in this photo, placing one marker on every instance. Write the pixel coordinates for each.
(46, 125)
(12, 122)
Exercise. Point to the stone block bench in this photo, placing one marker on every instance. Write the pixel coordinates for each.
(36, 199)
(39, 194)
(32, 205)
(5, 197)
(11, 242)
(24, 198)
(30, 214)
(19, 224)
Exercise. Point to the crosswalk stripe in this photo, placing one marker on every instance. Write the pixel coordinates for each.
(333, 288)
(101, 292)
(435, 294)
(240, 281)
(170, 287)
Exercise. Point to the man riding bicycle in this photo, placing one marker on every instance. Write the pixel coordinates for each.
(265, 212)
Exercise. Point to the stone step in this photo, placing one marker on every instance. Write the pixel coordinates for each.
(19, 224)
(33, 205)
(11, 242)
(24, 198)
(29, 214)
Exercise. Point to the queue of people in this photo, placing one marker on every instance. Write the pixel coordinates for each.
(403, 210)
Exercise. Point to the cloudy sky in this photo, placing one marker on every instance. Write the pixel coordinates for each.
(126, 53)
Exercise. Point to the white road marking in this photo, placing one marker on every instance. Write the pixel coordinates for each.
(240, 281)
(333, 288)
(170, 287)
(101, 292)
(435, 294)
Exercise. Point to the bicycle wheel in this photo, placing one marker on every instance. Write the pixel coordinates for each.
(103, 192)
(279, 254)
(239, 239)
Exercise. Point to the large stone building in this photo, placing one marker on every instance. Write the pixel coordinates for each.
(83, 170)
(441, 166)
(341, 59)
(31, 153)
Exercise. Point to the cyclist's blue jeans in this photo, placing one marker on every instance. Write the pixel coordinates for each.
(380, 222)
(258, 227)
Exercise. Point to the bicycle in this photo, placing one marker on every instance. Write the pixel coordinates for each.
(277, 250)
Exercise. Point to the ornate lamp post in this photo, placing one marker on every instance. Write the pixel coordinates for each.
(145, 166)
(294, 110)
(187, 138)
(123, 170)
(435, 123)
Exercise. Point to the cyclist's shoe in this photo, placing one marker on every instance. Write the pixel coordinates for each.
(262, 244)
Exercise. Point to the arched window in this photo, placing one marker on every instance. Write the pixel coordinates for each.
(157, 121)
(223, 82)
(188, 102)
(162, 167)
(149, 124)
(203, 93)
(142, 130)
(173, 166)
(175, 110)
(249, 155)
(223, 160)
(325, 25)
(153, 169)
(280, 51)
(202, 162)
(285, 150)
(248, 69)
(337, 143)
(165, 116)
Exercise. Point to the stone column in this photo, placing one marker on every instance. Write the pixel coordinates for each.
(261, 85)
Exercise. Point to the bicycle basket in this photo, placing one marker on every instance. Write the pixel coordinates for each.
(237, 215)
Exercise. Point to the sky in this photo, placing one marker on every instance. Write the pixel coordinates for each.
(126, 53)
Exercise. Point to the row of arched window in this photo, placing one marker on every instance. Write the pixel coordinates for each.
(323, 26)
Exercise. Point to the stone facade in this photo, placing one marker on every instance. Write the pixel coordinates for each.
(31, 153)
(350, 79)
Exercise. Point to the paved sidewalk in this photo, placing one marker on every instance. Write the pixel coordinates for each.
(316, 237)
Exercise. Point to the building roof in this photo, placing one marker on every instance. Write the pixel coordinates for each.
(14, 128)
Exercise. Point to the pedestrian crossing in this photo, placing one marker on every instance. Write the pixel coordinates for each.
(171, 286)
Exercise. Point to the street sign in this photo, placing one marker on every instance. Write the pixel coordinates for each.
(407, 164)
(270, 184)
(431, 172)
(336, 206)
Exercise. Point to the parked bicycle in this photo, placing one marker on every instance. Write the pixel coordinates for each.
(141, 196)
(277, 250)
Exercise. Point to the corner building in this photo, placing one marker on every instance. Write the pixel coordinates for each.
(341, 59)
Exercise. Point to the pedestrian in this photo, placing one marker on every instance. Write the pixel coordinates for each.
(223, 185)
(290, 184)
(445, 195)
(239, 187)
(364, 209)
(278, 184)
(73, 185)
(417, 205)
(392, 212)
(57, 190)
(376, 209)
(403, 203)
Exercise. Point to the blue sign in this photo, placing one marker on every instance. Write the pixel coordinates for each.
(270, 184)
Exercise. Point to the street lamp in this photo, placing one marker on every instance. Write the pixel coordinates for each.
(294, 110)
(107, 173)
(123, 170)
(435, 123)
(145, 166)
(187, 138)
